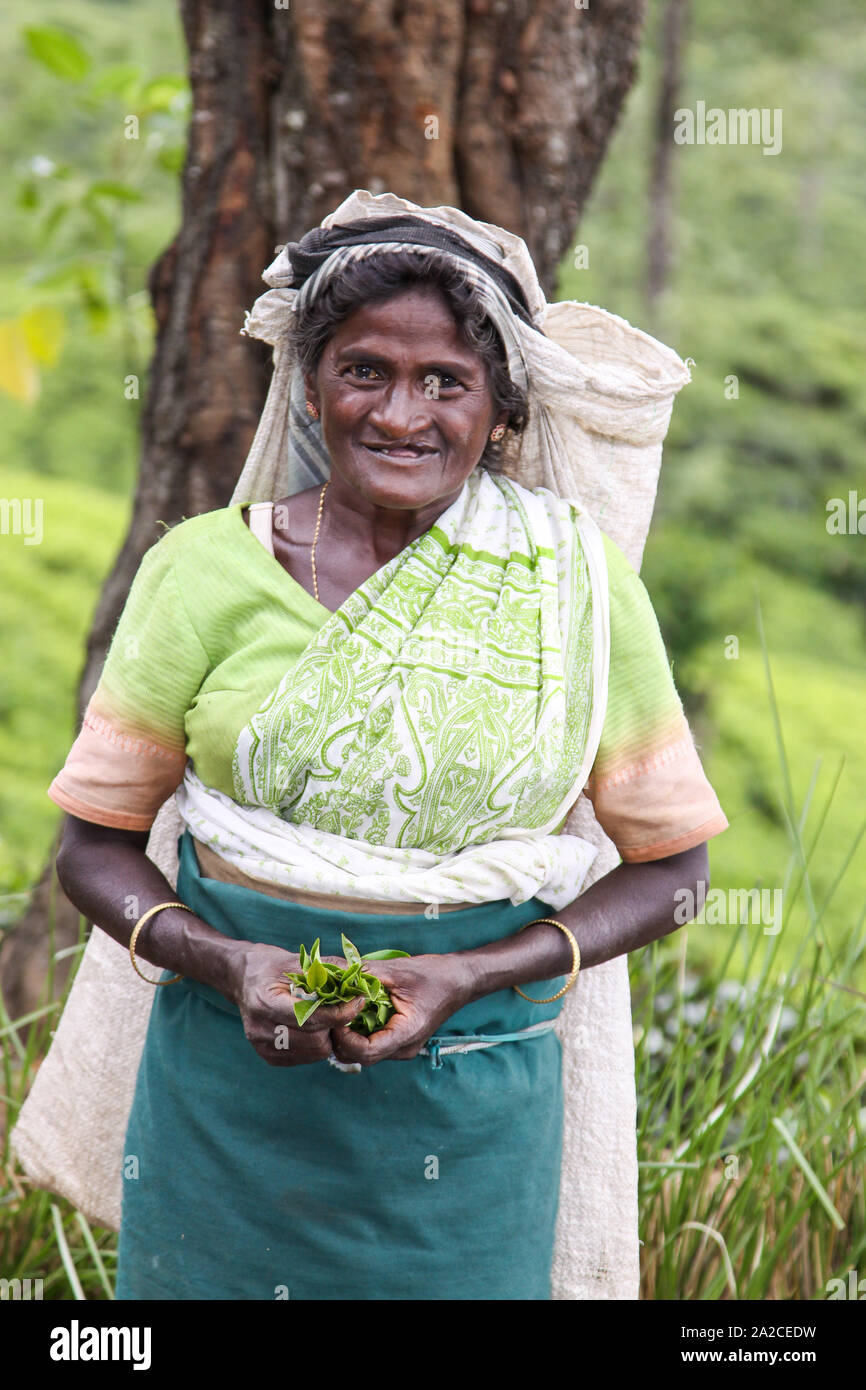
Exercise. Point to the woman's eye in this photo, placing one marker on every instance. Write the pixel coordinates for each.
(443, 381)
(364, 371)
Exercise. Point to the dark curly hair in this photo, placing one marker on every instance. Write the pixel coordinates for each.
(381, 277)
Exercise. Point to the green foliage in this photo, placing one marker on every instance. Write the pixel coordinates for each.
(41, 1236)
(765, 252)
(49, 591)
(749, 1071)
(323, 982)
(61, 53)
(95, 167)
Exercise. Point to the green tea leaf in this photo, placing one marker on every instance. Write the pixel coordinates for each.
(316, 974)
(304, 1008)
(350, 978)
(333, 984)
(349, 951)
(365, 1022)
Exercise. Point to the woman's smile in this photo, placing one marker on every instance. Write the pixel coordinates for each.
(405, 451)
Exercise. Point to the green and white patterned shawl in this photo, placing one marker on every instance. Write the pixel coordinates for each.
(448, 701)
(442, 722)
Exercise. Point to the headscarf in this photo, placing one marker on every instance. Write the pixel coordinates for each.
(593, 382)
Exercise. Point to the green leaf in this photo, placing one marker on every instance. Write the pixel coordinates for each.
(172, 158)
(43, 328)
(165, 93)
(112, 188)
(365, 1022)
(57, 50)
(304, 958)
(121, 80)
(19, 375)
(350, 976)
(29, 194)
(349, 951)
(384, 955)
(316, 975)
(52, 220)
(304, 1008)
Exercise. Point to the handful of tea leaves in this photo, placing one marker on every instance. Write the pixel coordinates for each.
(325, 983)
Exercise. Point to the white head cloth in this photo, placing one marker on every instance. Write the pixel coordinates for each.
(598, 389)
(601, 394)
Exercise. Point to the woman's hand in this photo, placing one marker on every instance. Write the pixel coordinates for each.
(425, 990)
(265, 1001)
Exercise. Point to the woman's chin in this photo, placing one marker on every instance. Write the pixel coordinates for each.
(402, 482)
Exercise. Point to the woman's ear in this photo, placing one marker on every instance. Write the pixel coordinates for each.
(310, 387)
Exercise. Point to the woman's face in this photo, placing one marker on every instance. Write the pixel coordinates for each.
(405, 405)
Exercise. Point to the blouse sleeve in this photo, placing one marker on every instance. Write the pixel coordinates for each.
(131, 752)
(648, 789)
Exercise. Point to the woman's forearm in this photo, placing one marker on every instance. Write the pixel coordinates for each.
(630, 907)
(108, 877)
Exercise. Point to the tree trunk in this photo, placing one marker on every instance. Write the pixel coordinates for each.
(503, 107)
(659, 244)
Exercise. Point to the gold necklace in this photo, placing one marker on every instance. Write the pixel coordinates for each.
(315, 539)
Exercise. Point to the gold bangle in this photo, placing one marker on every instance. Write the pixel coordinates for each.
(575, 962)
(135, 932)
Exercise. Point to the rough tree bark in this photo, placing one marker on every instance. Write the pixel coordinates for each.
(661, 184)
(503, 107)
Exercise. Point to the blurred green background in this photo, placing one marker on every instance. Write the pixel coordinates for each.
(766, 287)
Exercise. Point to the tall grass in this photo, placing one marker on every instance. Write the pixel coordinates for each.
(42, 1236)
(751, 1086)
(751, 1082)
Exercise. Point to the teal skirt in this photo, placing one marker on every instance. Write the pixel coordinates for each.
(435, 1178)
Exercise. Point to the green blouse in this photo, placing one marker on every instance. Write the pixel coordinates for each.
(213, 622)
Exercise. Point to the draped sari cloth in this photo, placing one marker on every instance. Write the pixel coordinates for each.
(440, 725)
(600, 398)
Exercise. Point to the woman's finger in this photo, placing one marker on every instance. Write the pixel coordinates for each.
(351, 1046)
(333, 1015)
(280, 1047)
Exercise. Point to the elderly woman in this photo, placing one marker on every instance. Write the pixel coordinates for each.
(377, 700)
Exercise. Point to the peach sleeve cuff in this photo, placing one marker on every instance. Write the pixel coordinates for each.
(658, 805)
(114, 778)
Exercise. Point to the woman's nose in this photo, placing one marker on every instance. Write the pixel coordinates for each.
(403, 408)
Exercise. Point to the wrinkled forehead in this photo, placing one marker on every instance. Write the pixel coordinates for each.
(489, 294)
(414, 326)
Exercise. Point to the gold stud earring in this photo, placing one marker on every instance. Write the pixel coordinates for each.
(497, 433)
(312, 410)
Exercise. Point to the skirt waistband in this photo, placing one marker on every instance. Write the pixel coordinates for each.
(212, 866)
(245, 914)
